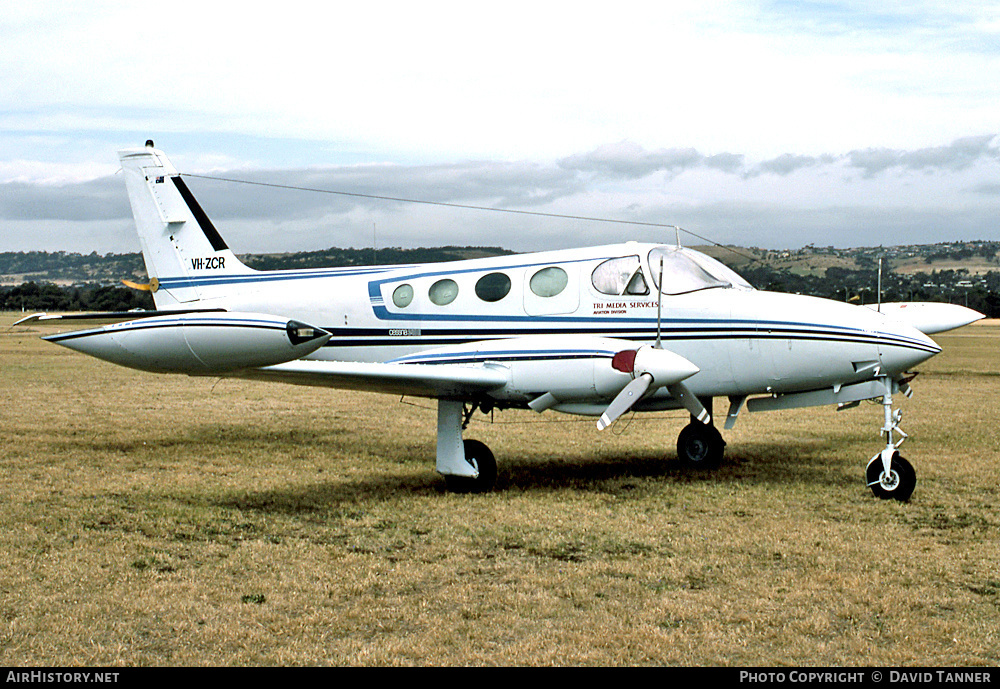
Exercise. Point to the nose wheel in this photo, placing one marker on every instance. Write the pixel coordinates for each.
(888, 474)
(897, 483)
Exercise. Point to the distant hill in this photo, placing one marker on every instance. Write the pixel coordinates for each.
(63, 268)
(976, 258)
(959, 272)
(338, 258)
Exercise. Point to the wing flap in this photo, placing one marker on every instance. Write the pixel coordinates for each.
(417, 380)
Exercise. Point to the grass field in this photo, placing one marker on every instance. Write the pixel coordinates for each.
(166, 520)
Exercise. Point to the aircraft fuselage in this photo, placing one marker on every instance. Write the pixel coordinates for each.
(744, 341)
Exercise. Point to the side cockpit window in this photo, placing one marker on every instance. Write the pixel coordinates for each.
(619, 276)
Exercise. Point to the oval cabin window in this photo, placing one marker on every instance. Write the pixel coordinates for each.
(493, 287)
(548, 282)
(402, 296)
(443, 292)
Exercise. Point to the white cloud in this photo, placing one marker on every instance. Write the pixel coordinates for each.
(669, 110)
(894, 195)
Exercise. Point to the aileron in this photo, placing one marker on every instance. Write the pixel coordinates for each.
(418, 380)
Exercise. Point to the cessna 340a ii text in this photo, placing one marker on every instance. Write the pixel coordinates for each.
(598, 331)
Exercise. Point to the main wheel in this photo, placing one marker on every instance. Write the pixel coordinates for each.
(700, 446)
(898, 484)
(479, 456)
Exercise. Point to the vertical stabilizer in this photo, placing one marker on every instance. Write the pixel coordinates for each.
(182, 249)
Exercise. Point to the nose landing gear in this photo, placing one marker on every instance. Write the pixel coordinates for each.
(888, 474)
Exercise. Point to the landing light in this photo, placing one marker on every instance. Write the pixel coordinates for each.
(300, 332)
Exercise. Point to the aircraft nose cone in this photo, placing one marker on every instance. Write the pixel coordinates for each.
(903, 347)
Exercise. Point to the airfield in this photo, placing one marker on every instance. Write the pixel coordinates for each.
(176, 521)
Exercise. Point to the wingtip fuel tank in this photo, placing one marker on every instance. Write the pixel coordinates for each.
(198, 343)
(930, 317)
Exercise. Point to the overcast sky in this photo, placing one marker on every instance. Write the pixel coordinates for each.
(771, 124)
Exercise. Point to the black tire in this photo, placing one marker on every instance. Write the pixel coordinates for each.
(700, 446)
(479, 456)
(898, 485)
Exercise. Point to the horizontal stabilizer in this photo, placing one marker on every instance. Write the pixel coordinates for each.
(95, 318)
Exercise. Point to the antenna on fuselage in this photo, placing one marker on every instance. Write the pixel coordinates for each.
(659, 302)
(677, 233)
(879, 285)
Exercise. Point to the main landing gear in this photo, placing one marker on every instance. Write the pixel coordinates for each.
(888, 474)
(700, 446)
(468, 466)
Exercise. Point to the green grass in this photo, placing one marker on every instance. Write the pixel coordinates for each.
(166, 520)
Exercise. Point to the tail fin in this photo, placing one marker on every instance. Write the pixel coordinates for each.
(182, 249)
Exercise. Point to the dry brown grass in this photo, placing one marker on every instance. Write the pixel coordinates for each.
(165, 520)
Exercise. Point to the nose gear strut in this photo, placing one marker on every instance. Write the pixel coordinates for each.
(888, 474)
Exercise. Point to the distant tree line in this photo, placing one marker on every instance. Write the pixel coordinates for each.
(59, 265)
(341, 258)
(861, 286)
(44, 266)
(987, 251)
(95, 294)
(33, 296)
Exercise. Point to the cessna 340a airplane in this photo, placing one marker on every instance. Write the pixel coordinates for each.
(599, 331)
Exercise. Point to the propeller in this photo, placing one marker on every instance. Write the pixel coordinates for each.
(652, 368)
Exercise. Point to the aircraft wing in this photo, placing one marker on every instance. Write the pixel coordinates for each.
(418, 380)
(95, 318)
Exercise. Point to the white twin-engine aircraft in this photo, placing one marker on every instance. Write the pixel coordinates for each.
(599, 331)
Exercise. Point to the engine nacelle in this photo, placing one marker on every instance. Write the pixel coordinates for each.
(198, 343)
(550, 370)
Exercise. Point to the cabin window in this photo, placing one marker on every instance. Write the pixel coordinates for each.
(685, 271)
(402, 296)
(443, 292)
(493, 287)
(548, 282)
(620, 276)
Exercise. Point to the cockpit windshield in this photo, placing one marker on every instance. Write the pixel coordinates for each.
(685, 271)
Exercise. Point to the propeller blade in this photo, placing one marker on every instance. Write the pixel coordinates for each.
(629, 395)
(682, 394)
